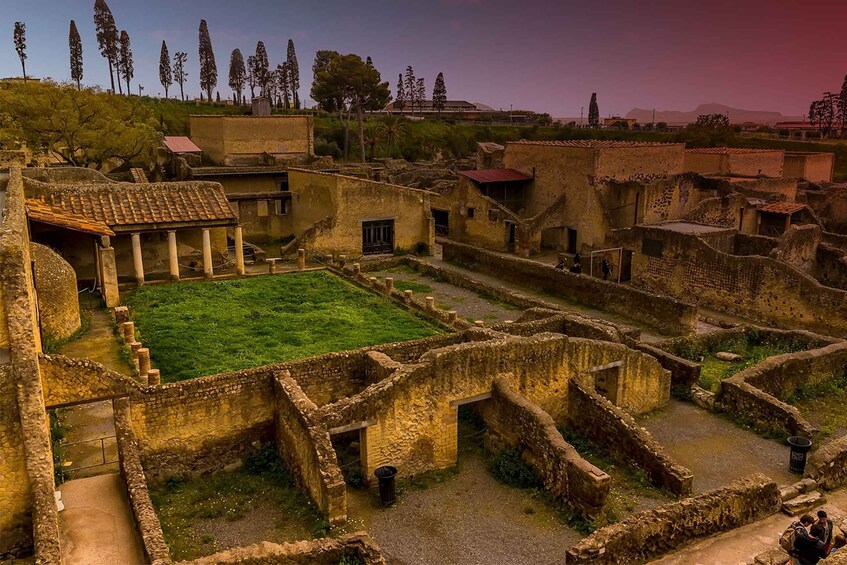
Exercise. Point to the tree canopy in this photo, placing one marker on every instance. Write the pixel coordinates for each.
(75, 47)
(208, 68)
(237, 73)
(20, 44)
(83, 127)
(107, 36)
(593, 112)
(166, 77)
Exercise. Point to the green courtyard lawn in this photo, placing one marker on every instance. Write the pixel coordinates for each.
(203, 328)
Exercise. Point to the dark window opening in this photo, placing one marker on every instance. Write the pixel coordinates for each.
(471, 212)
(378, 237)
(652, 247)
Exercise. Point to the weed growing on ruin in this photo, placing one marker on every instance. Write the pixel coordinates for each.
(415, 287)
(257, 502)
(715, 370)
(509, 468)
(350, 560)
(195, 329)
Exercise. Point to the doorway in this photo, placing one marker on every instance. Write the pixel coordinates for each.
(512, 236)
(377, 237)
(442, 222)
(571, 241)
(83, 440)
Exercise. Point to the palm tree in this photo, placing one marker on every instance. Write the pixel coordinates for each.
(372, 137)
(392, 128)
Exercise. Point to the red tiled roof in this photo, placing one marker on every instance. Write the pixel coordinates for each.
(496, 175)
(124, 204)
(40, 211)
(181, 144)
(786, 208)
(730, 150)
(594, 143)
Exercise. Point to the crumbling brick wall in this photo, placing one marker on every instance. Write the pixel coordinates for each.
(650, 534)
(512, 421)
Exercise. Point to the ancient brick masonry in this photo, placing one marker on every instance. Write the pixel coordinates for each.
(650, 534)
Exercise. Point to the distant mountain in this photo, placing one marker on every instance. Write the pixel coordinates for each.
(736, 116)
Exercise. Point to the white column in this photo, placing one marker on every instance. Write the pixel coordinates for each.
(239, 252)
(173, 256)
(208, 272)
(136, 258)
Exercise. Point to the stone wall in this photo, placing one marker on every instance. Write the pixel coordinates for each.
(684, 373)
(415, 413)
(303, 442)
(608, 425)
(663, 313)
(650, 534)
(146, 521)
(828, 464)
(325, 551)
(70, 381)
(813, 167)
(58, 302)
(755, 287)
(242, 140)
(514, 422)
(29, 508)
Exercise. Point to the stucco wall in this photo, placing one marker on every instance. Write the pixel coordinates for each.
(229, 140)
(813, 167)
(58, 302)
(736, 162)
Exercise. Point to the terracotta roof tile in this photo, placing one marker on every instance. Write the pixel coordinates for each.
(786, 208)
(128, 204)
(730, 150)
(40, 211)
(181, 144)
(595, 143)
(495, 175)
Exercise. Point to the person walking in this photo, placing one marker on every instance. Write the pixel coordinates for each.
(606, 268)
(828, 529)
(576, 266)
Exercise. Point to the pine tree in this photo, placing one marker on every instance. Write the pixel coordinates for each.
(107, 36)
(208, 68)
(439, 94)
(593, 112)
(20, 44)
(401, 93)
(75, 46)
(236, 74)
(126, 69)
(165, 73)
(284, 84)
(180, 75)
(411, 88)
(293, 74)
(420, 93)
(262, 68)
(842, 105)
(251, 74)
(369, 62)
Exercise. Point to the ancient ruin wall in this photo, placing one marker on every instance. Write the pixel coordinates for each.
(608, 425)
(828, 464)
(325, 551)
(754, 287)
(514, 422)
(234, 140)
(146, 521)
(416, 426)
(69, 381)
(664, 313)
(305, 446)
(650, 534)
(58, 302)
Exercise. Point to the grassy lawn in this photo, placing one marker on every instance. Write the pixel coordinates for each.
(258, 502)
(714, 370)
(203, 328)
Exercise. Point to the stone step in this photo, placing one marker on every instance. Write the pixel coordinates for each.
(774, 556)
(803, 503)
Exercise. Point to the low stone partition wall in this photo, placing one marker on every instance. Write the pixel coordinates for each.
(303, 443)
(666, 314)
(828, 465)
(608, 425)
(515, 422)
(756, 394)
(712, 341)
(684, 373)
(146, 521)
(68, 381)
(326, 551)
(653, 533)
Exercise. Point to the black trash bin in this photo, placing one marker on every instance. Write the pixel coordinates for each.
(800, 446)
(386, 476)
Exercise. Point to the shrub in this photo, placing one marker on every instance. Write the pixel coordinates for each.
(265, 460)
(324, 147)
(509, 468)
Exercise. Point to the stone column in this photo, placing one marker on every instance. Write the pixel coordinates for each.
(128, 331)
(301, 259)
(239, 251)
(153, 377)
(208, 271)
(389, 285)
(143, 362)
(430, 304)
(136, 258)
(173, 255)
(109, 277)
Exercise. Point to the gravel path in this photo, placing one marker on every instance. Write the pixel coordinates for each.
(470, 519)
(716, 450)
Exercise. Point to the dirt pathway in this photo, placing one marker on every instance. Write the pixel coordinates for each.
(98, 343)
(714, 449)
(96, 526)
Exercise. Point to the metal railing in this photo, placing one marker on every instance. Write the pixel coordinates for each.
(63, 470)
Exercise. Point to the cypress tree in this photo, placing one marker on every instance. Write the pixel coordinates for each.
(593, 112)
(293, 74)
(126, 68)
(107, 36)
(165, 73)
(208, 68)
(411, 88)
(262, 66)
(180, 75)
(401, 93)
(236, 74)
(75, 46)
(20, 44)
(439, 94)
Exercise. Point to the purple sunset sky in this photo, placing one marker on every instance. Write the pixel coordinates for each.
(540, 55)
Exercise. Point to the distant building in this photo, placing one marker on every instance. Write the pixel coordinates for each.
(618, 122)
(463, 108)
(730, 161)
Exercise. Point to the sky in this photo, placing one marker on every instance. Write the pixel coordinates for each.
(547, 56)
